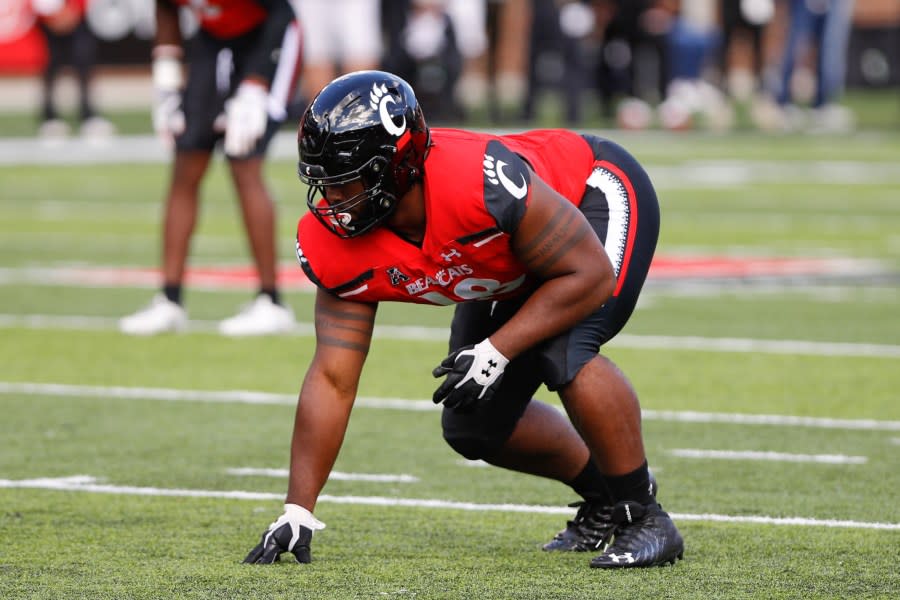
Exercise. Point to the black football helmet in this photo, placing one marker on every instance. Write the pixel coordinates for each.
(365, 126)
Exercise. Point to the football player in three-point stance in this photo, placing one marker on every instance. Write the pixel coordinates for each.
(542, 240)
(243, 65)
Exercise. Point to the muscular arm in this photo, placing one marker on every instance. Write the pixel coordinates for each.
(343, 335)
(557, 244)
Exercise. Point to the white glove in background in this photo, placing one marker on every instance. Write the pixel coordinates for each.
(168, 79)
(246, 118)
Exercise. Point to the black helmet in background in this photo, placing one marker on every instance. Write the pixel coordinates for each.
(365, 126)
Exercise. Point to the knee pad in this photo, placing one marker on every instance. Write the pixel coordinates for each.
(479, 435)
(472, 447)
(474, 438)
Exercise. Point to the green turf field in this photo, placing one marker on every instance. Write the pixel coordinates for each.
(147, 468)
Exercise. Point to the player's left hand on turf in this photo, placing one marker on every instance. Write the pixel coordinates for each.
(473, 375)
(246, 117)
(292, 532)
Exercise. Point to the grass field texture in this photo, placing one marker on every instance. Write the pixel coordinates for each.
(147, 468)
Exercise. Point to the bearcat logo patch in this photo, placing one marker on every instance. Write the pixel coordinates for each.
(495, 172)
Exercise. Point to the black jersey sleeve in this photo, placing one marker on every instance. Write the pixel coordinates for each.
(507, 182)
(263, 59)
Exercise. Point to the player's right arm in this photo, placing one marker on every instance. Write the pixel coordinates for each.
(343, 335)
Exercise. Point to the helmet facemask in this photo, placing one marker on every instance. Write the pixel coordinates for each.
(357, 214)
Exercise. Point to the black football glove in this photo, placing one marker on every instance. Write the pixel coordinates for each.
(473, 375)
(292, 532)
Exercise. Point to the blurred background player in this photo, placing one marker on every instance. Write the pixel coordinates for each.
(244, 61)
(423, 48)
(632, 67)
(338, 36)
(823, 27)
(69, 42)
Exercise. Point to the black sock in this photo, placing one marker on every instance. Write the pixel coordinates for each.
(631, 486)
(173, 293)
(589, 484)
(272, 293)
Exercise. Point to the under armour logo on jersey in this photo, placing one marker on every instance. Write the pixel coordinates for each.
(625, 557)
(494, 171)
(448, 256)
(379, 100)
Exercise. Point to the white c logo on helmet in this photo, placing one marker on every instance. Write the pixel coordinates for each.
(379, 100)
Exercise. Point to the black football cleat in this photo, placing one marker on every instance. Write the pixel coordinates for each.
(643, 536)
(588, 530)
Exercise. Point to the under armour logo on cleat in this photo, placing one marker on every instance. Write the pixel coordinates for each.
(626, 557)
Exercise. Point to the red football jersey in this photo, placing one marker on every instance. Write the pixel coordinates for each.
(476, 188)
(226, 19)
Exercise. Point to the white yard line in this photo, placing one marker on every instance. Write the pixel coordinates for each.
(834, 459)
(441, 334)
(333, 476)
(252, 397)
(86, 483)
(799, 347)
(478, 463)
(689, 416)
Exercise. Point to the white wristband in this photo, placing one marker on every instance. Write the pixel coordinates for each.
(303, 517)
(486, 344)
(167, 74)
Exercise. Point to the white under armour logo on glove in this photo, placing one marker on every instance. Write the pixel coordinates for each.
(473, 375)
(246, 118)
